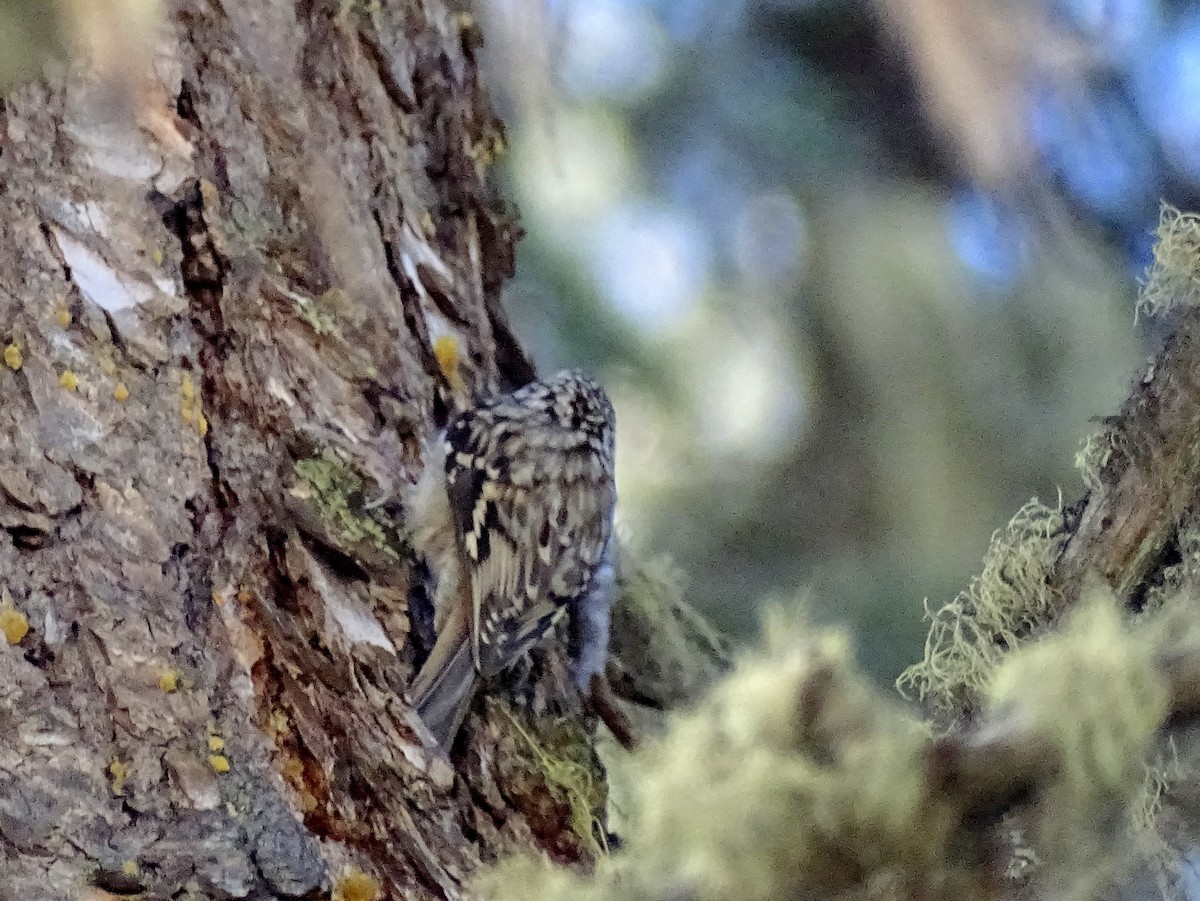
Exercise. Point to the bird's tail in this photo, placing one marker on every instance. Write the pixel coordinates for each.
(441, 694)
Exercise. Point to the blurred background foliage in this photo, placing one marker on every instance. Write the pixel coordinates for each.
(860, 276)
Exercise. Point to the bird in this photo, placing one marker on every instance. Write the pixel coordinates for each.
(514, 513)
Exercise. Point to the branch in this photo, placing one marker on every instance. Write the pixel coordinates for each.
(1148, 478)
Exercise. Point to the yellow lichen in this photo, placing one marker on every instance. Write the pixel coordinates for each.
(119, 773)
(68, 380)
(191, 409)
(121, 393)
(293, 773)
(216, 744)
(219, 763)
(14, 624)
(278, 725)
(169, 680)
(210, 195)
(62, 316)
(130, 868)
(356, 885)
(293, 770)
(13, 357)
(446, 349)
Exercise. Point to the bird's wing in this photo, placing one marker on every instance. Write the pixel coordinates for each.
(529, 550)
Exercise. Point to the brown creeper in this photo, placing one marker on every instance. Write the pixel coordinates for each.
(525, 481)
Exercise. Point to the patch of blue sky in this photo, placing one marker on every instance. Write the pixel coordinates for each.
(1121, 30)
(990, 239)
(615, 50)
(652, 264)
(1167, 88)
(1100, 151)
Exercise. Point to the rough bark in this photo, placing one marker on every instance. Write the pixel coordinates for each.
(221, 323)
(1148, 478)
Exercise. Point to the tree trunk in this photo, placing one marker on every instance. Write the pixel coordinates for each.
(223, 327)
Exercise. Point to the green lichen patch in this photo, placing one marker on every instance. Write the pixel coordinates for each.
(318, 313)
(335, 489)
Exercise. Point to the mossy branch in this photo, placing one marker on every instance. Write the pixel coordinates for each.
(1143, 475)
(796, 778)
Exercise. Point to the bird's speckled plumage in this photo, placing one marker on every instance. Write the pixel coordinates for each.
(530, 490)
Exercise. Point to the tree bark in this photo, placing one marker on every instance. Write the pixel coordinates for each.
(222, 324)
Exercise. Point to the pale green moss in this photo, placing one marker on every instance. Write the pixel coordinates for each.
(317, 313)
(1096, 452)
(1008, 604)
(796, 778)
(1095, 695)
(336, 491)
(1173, 279)
(793, 779)
(570, 781)
(530, 879)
